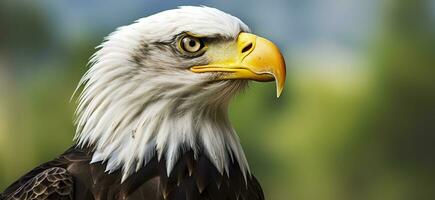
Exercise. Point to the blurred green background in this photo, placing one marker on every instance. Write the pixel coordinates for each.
(356, 119)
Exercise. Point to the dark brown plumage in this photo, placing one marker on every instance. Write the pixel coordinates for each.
(70, 176)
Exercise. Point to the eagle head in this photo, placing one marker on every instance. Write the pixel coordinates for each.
(161, 86)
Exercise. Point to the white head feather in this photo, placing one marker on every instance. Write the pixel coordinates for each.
(139, 98)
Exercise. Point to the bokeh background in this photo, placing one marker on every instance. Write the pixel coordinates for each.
(356, 119)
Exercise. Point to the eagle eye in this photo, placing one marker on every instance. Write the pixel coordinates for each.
(191, 44)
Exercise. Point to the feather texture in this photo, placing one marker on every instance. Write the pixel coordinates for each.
(138, 90)
(70, 176)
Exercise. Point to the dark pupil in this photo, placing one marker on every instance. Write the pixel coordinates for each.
(192, 43)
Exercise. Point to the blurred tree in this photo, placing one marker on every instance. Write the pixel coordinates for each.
(395, 159)
(16, 43)
(35, 112)
(24, 35)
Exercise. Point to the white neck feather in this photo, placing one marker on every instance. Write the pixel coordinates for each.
(128, 113)
(128, 125)
(137, 104)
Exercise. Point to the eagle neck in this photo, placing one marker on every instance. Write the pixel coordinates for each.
(165, 125)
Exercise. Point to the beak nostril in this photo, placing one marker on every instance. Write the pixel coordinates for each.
(247, 48)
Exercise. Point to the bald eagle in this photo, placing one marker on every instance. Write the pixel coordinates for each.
(152, 118)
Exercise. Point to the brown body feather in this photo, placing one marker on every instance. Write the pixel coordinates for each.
(70, 176)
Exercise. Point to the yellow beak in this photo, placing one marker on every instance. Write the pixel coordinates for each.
(256, 59)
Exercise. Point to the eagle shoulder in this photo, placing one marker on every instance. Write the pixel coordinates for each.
(71, 176)
(52, 183)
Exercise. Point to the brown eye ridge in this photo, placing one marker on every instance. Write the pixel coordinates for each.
(191, 44)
